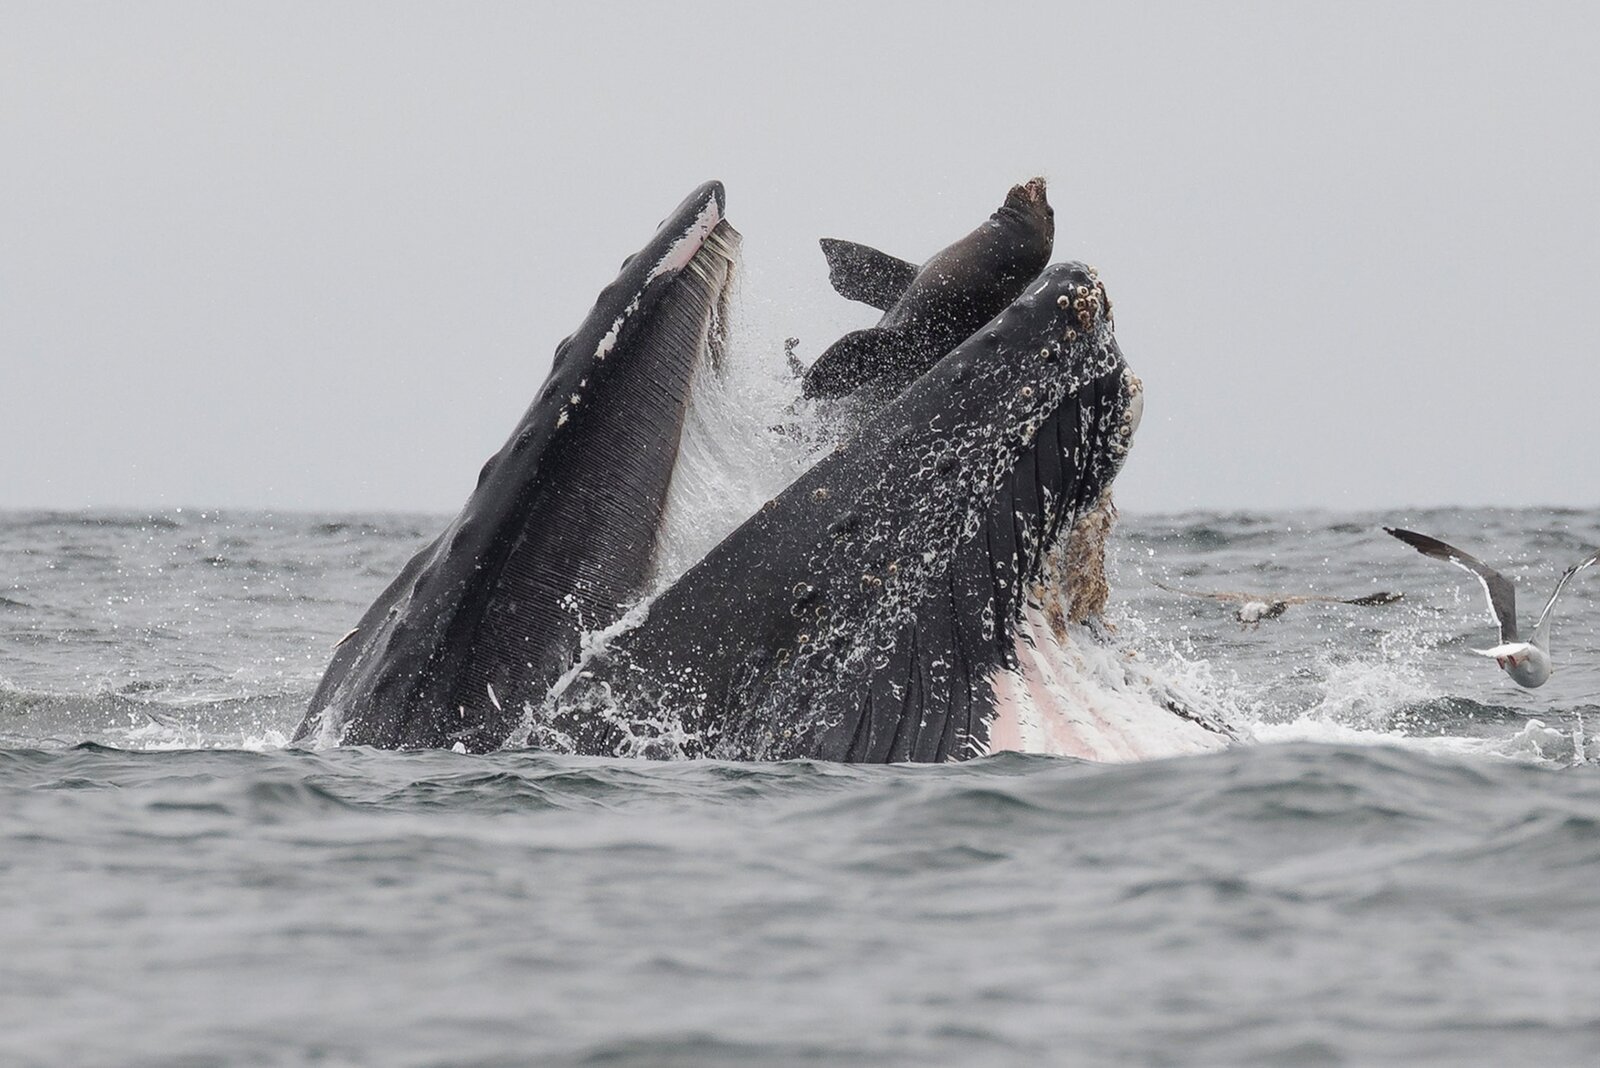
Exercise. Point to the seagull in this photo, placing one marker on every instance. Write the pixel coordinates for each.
(1254, 607)
(1528, 663)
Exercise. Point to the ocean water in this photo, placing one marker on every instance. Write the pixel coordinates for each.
(1398, 866)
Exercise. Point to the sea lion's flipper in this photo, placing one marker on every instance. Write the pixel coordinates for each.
(865, 274)
(859, 357)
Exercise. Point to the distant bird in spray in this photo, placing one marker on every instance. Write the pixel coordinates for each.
(1255, 607)
(1527, 662)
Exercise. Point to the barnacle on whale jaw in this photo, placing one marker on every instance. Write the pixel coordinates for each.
(1072, 585)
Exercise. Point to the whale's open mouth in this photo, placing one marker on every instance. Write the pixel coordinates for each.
(865, 612)
(884, 607)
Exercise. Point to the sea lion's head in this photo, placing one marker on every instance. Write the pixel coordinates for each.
(1027, 202)
(1027, 222)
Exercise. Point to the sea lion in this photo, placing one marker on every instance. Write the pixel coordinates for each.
(929, 310)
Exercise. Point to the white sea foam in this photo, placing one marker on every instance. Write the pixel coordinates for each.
(1075, 695)
(168, 733)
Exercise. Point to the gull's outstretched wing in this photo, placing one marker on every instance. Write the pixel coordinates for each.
(1219, 595)
(1382, 597)
(1541, 629)
(1502, 594)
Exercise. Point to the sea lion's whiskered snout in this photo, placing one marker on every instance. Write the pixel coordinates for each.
(1030, 192)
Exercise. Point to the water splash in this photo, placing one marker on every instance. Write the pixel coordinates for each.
(745, 437)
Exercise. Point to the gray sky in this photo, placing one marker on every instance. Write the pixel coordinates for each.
(318, 256)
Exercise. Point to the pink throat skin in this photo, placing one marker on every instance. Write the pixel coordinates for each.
(1078, 698)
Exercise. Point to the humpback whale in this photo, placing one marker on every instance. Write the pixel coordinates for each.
(929, 310)
(559, 535)
(884, 607)
(909, 597)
